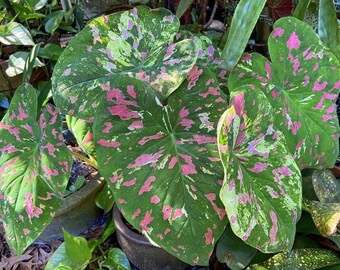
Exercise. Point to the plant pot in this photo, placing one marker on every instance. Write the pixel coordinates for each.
(140, 252)
(77, 214)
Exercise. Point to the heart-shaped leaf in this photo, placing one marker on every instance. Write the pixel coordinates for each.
(34, 168)
(162, 162)
(262, 183)
(133, 43)
(301, 84)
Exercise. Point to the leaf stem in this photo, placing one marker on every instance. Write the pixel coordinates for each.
(88, 161)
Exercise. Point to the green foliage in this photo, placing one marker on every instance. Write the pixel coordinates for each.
(116, 259)
(301, 9)
(14, 33)
(104, 198)
(16, 63)
(182, 7)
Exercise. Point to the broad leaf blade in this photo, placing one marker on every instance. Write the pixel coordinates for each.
(170, 168)
(34, 168)
(182, 7)
(326, 186)
(300, 10)
(116, 259)
(53, 20)
(16, 63)
(14, 33)
(262, 183)
(132, 43)
(301, 84)
(77, 249)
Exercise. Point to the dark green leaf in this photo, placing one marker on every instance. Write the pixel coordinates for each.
(300, 10)
(76, 249)
(51, 51)
(30, 63)
(109, 230)
(79, 17)
(104, 198)
(53, 20)
(116, 259)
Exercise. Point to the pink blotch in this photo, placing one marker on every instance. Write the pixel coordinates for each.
(183, 112)
(317, 139)
(238, 103)
(278, 32)
(325, 118)
(136, 213)
(22, 115)
(146, 139)
(167, 210)
(147, 185)
(131, 91)
(268, 71)
(146, 159)
(200, 139)
(136, 125)
(108, 126)
(208, 237)
(316, 66)
(167, 230)
(273, 230)
(155, 199)
(49, 172)
(73, 99)
(299, 144)
(293, 42)
(67, 71)
(130, 183)
(214, 91)
(259, 167)
(146, 221)
(177, 214)
(172, 163)
(318, 86)
(121, 201)
(31, 209)
(306, 81)
(186, 123)
(123, 112)
(220, 212)
(108, 144)
(240, 75)
(26, 231)
(233, 219)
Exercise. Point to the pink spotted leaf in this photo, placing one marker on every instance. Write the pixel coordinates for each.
(137, 43)
(262, 183)
(302, 84)
(34, 168)
(162, 162)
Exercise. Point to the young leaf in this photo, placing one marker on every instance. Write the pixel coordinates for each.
(34, 168)
(116, 259)
(301, 84)
(132, 43)
(76, 249)
(167, 150)
(53, 20)
(14, 33)
(242, 25)
(30, 63)
(36, 4)
(262, 183)
(182, 7)
(328, 28)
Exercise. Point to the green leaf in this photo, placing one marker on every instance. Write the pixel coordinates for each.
(60, 261)
(104, 199)
(82, 131)
(45, 93)
(262, 183)
(302, 85)
(79, 17)
(34, 168)
(148, 152)
(14, 33)
(133, 43)
(242, 25)
(300, 10)
(307, 258)
(30, 63)
(328, 28)
(16, 63)
(36, 4)
(53, 20)
(116, 259)
(51, 51)
(182, 7)
(76, 249)
(109, 230)
(233, 251)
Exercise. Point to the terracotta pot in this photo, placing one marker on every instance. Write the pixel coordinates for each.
(140, 252)
(77, 214)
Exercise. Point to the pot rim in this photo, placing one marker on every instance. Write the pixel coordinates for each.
(126, 231)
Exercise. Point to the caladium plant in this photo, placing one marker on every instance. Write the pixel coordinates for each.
(148, 99)
(281, 119)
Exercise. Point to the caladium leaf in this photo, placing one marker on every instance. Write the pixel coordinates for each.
(326, 186)
(162, 161)
(133, 43)
(82, 131)
(302, 84)
(262, 183)
(34, 168)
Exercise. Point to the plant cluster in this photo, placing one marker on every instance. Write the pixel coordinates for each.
(185, 163)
